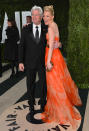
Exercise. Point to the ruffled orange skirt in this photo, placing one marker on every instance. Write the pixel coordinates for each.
(62, 93)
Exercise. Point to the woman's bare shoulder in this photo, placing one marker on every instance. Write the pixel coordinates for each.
(56, 30)
(55, 25)
(50, 28)
(53, 28)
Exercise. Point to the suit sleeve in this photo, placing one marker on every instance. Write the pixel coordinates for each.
(21, 47)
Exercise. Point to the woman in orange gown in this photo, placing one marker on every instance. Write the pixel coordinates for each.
(62, 93)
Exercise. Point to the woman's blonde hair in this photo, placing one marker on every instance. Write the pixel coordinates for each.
(50, 9)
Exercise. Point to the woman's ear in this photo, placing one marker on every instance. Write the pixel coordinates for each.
(53, 17)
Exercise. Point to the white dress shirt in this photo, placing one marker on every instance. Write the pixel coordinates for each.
(34, 29)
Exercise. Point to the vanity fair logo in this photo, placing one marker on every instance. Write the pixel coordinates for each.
(15, 119)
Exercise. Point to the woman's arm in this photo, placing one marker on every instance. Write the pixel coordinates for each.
(51, 46)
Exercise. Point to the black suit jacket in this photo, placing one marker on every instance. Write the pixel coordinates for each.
(31, 53)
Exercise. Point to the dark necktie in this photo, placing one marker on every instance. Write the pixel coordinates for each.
(37, 35)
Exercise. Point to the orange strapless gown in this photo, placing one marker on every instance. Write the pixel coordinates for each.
(62, 93)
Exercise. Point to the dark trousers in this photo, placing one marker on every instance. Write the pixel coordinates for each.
(14, 64)
(31, 77)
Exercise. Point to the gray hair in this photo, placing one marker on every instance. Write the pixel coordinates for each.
(37, 8)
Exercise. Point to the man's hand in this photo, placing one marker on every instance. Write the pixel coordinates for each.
(21, 67)
(57, 45)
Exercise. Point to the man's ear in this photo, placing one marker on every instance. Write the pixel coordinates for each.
(41, 17)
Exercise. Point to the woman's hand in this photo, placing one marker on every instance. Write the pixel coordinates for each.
(57, 44)
(49, 66)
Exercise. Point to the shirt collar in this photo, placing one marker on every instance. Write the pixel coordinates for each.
(39, 26)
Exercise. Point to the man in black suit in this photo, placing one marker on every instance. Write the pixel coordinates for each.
(34, 42)
(0, 53)
(28, 21)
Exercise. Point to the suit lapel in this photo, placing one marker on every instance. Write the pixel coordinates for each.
(30, 30)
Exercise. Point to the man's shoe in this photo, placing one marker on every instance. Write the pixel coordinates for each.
(30, 117)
